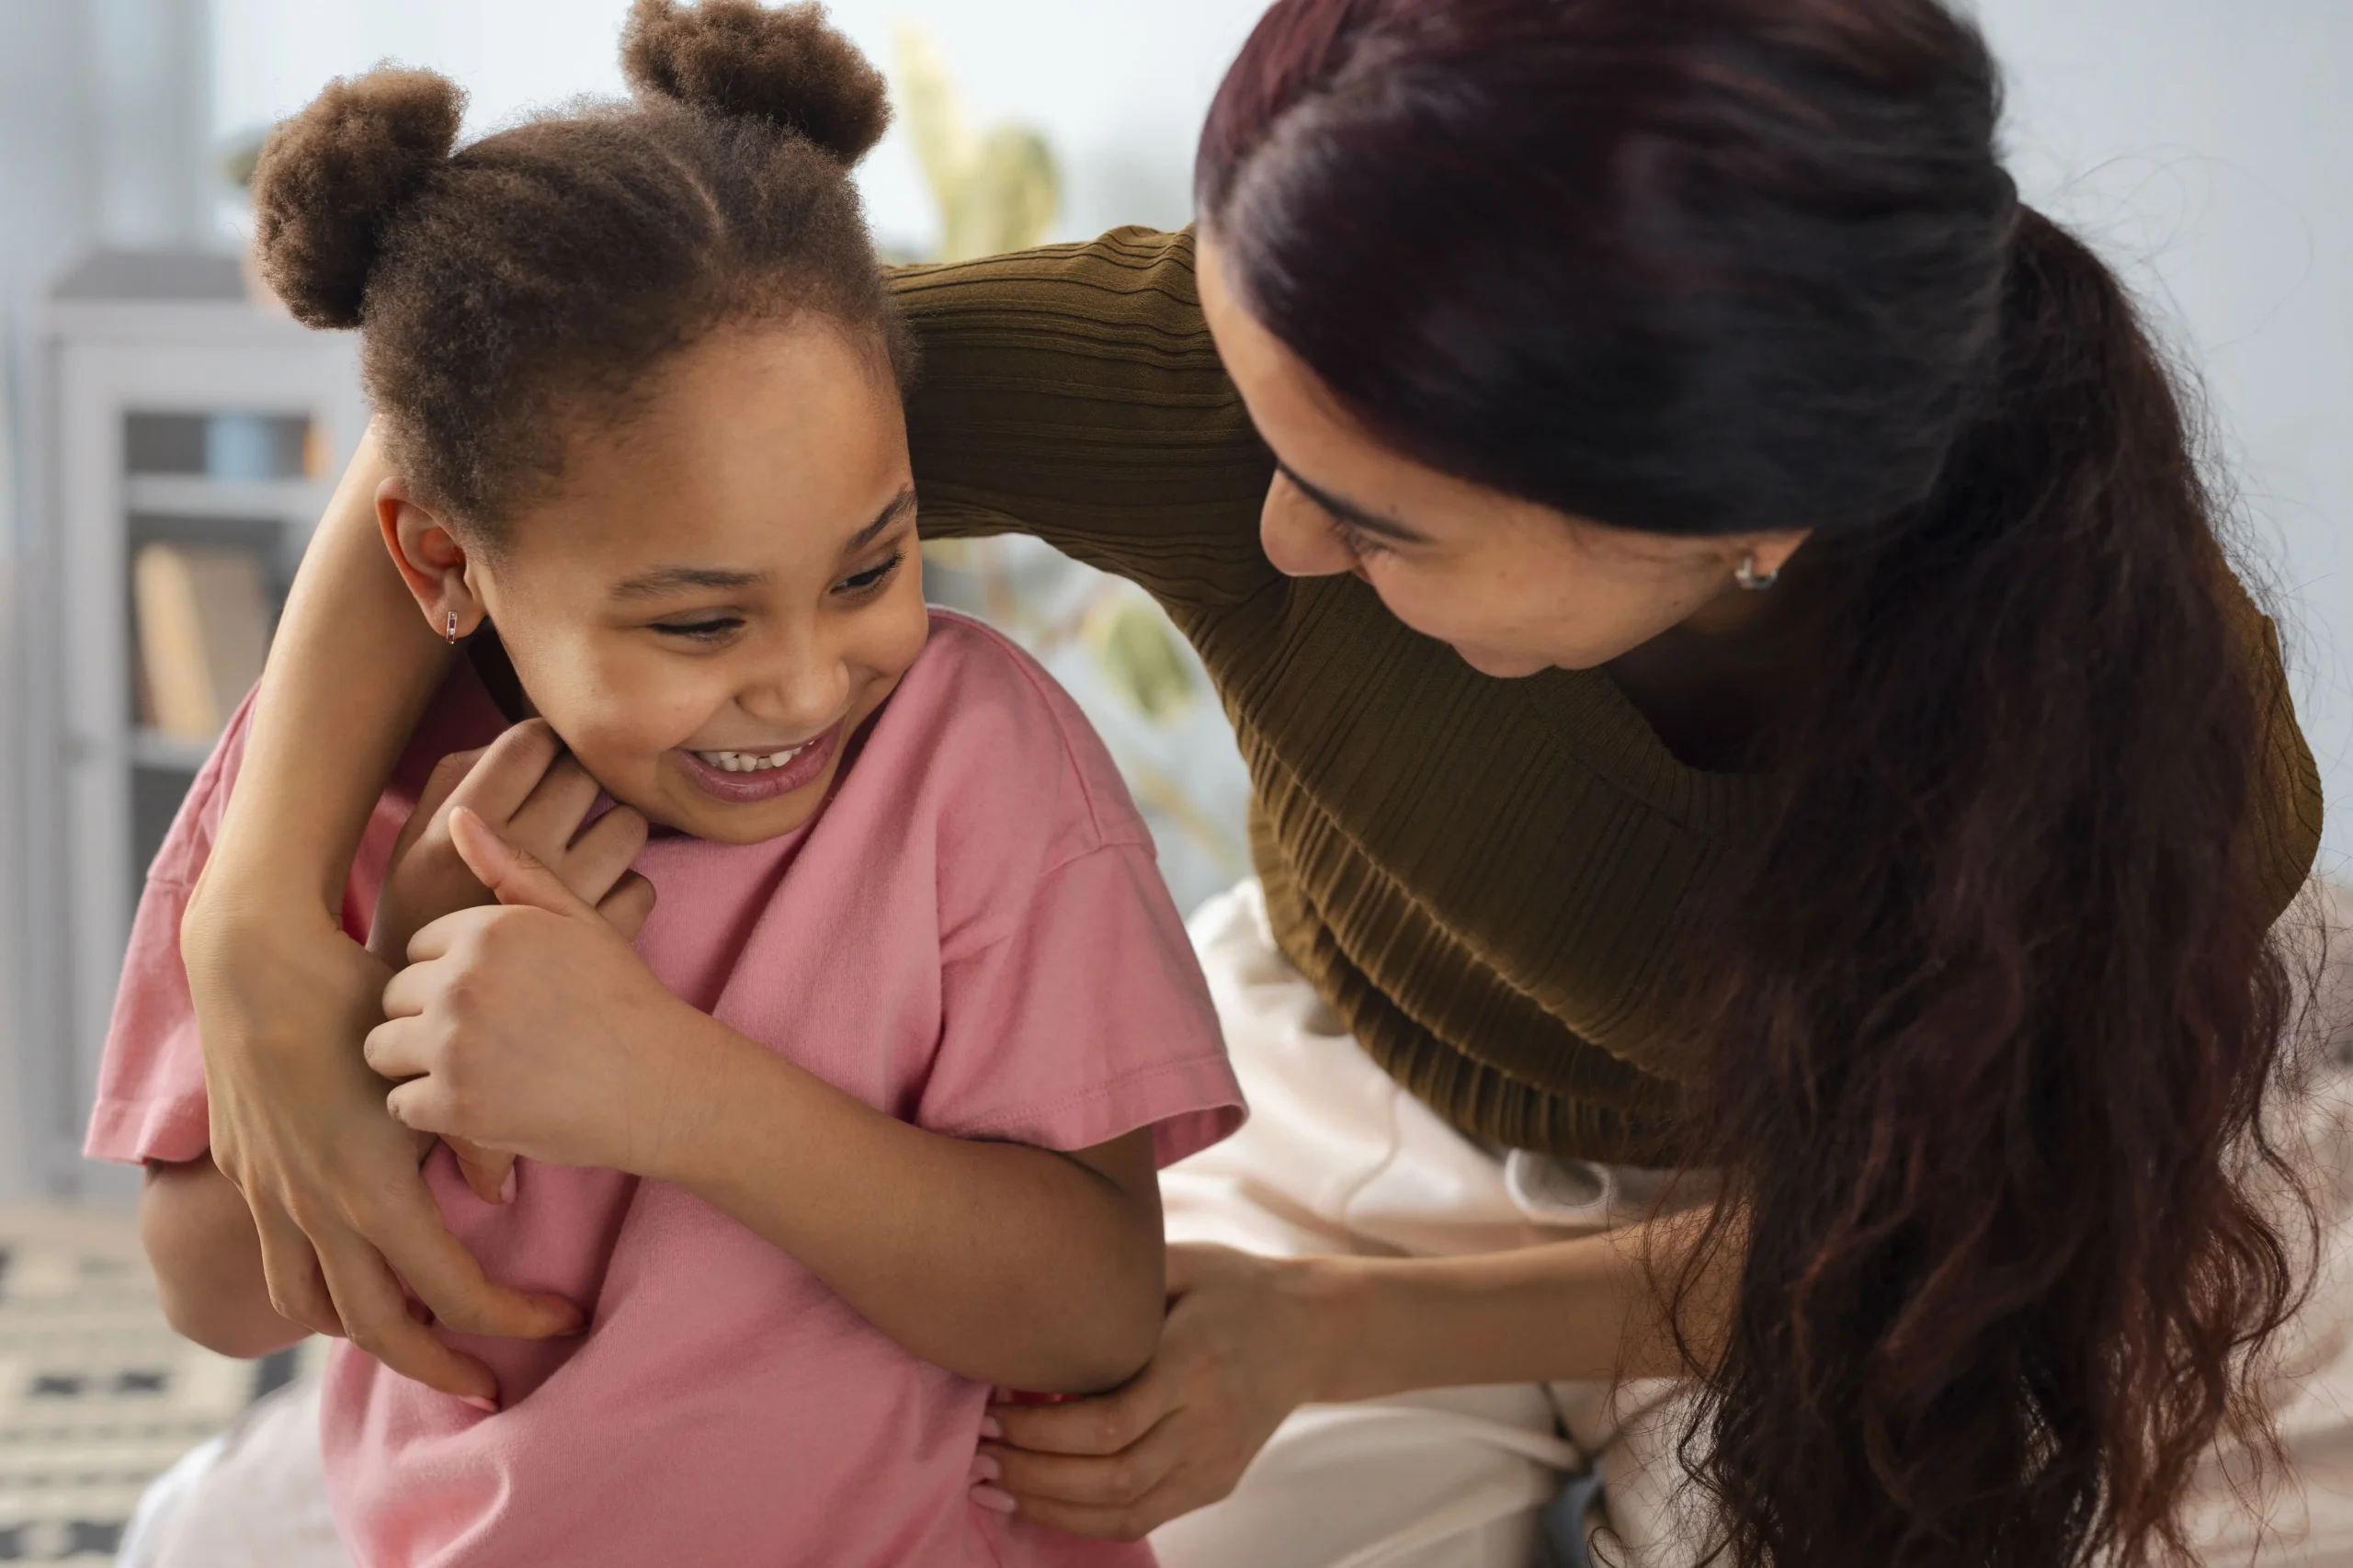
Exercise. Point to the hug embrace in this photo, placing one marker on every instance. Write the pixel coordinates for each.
(1772, 991)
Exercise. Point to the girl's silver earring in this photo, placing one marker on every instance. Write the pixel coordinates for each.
(452, 633)
(1749, 577)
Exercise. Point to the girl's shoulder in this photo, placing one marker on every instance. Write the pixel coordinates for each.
(1002, 738)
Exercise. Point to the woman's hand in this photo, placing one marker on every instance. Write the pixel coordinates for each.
(1248, 1340)
(531, 1028)
(299, 1125)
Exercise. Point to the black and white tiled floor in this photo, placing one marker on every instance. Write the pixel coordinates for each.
(98, 1396)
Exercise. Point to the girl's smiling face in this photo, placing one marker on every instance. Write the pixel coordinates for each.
(721, 589)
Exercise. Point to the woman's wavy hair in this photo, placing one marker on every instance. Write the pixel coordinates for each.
(1990, 996)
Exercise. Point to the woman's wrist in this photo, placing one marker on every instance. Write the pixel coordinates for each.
(1327, 1303)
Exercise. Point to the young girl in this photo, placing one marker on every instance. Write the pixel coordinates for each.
(935, 1021)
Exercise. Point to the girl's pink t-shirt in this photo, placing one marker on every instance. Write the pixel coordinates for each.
(972, 937)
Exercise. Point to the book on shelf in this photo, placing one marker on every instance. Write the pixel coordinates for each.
(204, 620)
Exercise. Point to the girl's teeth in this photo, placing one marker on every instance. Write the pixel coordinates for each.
(750, 762)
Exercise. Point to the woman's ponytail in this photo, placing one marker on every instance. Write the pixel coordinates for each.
(1989, 1091)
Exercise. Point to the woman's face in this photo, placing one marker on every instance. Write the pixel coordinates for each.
(1512, 586)
(725, 589)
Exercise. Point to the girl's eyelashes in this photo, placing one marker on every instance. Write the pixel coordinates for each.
(718, 629)
(863, 585)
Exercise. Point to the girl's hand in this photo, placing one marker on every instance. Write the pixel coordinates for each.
(534, 796)
(1248, 1340)
(533, 1028)
(298, 1124)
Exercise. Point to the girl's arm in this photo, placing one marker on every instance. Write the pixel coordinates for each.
(1004, 1263)
(207, 1257)
(283, 998)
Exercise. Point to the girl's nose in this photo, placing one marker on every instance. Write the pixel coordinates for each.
(801, 694)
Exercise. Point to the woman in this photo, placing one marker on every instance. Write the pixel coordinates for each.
(1740, 676)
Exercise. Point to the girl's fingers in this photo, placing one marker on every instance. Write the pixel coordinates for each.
(490, 1174)
(510, 768)
(1090, 1426)
(448, 774)
(545, 822)
(1115, 1481)
(600, 857)
(629, 905)
(420, 1105)
(398, 1048)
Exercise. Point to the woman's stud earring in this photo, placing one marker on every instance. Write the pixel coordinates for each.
(451, 632)
(1749, 577)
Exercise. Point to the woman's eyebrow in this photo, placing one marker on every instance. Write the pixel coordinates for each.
(901, 504)
(1349, 512)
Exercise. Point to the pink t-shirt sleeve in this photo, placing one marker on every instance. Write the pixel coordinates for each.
(151, 1103)
(1089, 1020)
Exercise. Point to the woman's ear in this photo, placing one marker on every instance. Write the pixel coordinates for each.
(1772, 552)
(432, 562)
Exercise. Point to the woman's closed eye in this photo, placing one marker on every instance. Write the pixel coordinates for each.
(1354, 540)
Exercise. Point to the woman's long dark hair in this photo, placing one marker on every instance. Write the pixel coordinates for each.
(1990, 996)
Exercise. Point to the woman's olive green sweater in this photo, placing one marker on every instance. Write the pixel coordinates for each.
(1484, 876)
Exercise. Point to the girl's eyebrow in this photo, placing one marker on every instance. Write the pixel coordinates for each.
(666, 580)
(901, 504)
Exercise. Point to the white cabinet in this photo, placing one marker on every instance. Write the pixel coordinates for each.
(176, 413)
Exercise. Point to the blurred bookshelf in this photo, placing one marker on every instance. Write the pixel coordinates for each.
(188, 439)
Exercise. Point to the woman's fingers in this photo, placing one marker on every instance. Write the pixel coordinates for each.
(446, 1278)
(629, 905)
(1095, 1427)
(377, 1320)
(1106, 1481)
(298, 1290)
(602, 855)
(1131, 1521)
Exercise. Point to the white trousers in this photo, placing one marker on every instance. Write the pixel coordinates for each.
(1337, 1158)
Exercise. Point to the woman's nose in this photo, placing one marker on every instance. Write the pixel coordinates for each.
(1297, 538)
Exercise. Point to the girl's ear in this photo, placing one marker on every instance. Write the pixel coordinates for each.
(431, 559)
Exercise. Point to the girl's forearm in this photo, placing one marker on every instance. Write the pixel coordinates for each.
(201, 1241)
(1003, 1263)
(1584, 1311)
(350, 671)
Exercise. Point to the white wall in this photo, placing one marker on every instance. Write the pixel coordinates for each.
(2207, 146)
(1121, 85)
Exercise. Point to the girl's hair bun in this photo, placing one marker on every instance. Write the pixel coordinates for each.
(736, 57)
(330, 180)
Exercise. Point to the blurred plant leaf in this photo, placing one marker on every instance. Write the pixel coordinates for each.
(996, 192)
(1139, 657)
